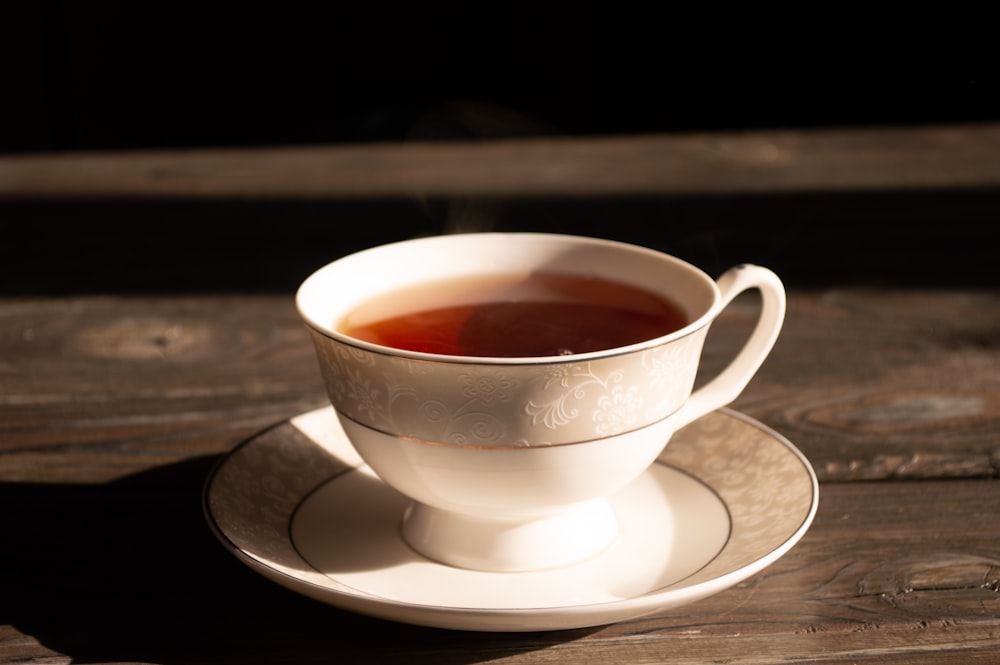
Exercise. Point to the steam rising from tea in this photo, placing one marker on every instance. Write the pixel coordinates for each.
(514, 316)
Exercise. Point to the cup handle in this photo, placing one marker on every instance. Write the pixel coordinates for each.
(731, 381)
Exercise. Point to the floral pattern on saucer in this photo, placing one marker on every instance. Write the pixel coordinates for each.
(765, 483)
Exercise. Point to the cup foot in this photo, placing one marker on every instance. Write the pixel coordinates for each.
(510, 545)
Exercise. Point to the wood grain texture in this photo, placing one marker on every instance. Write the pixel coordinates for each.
(761, 161)
(890, 572)
(114, 409)
(876, 384)
(871, 384)
(97, 388)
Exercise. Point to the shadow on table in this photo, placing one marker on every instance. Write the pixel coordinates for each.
(129, 571)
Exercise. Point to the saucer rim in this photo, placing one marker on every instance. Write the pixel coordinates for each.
(507, 619)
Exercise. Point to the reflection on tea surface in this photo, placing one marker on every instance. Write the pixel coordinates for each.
(514, 316)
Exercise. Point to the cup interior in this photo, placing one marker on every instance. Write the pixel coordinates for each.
(327, 295)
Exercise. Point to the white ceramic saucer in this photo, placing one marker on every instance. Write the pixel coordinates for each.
(727, 497)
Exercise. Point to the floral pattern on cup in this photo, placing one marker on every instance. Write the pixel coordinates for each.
(509, 404)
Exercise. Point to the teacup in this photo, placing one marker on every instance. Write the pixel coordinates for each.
(509, 462)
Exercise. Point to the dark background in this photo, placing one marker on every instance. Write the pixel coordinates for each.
(122, 74)
(118, 75)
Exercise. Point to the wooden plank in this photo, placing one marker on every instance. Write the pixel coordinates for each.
(881, 383)
(898, 572)
(114, 409)
(760, 161)
(871, 384)
(95, 389)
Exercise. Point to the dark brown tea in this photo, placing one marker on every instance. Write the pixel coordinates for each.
(514, 316)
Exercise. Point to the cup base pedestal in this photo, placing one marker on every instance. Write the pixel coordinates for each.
(510, 545)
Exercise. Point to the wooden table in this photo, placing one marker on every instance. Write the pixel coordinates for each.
(114, 407)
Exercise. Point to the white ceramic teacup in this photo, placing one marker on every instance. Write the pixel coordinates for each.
(509, 461)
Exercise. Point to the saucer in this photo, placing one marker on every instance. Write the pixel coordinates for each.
(726, 498)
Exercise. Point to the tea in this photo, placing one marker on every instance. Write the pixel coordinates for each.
(514, 316)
